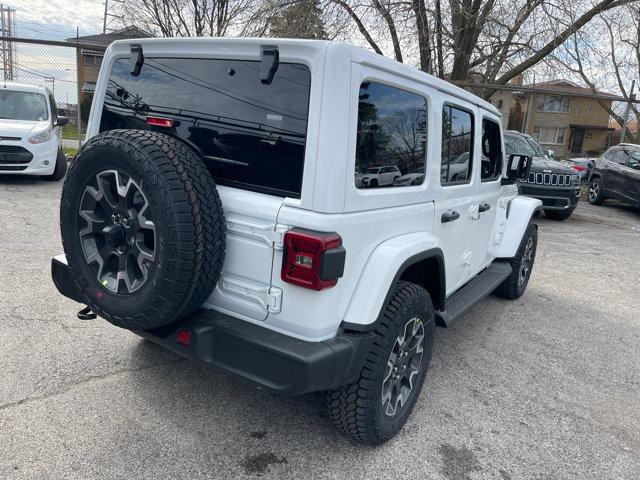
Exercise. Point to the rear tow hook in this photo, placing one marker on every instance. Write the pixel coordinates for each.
(86, 314)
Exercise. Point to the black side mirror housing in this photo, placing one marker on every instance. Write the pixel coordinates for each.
(62, 121)
(518, 168)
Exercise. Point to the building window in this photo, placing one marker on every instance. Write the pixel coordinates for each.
(89, 59)
(554, 104)
(550, 135)
(392, 137)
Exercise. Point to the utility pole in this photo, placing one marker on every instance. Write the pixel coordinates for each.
(104, 20)
(108, 7)
(53, 83)
(7, 49)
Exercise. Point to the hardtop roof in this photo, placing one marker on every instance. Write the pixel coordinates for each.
(357, 54)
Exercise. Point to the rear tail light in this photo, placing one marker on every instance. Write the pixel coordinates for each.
(312, 260)
(160, 122)
(579, 168)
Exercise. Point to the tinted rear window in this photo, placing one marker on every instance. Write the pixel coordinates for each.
(252, 135)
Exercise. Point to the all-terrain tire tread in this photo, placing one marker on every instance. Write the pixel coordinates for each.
(350, 406)
(192, 210)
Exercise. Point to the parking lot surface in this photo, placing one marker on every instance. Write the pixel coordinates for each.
(544, 387)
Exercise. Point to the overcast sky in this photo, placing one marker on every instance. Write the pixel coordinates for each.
(57, 18)
(52, 66)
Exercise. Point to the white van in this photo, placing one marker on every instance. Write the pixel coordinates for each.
(30, 137)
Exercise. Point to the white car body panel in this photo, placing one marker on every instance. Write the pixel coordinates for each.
(380, 228)
(383, 265)
(520, 209)
(15, 133)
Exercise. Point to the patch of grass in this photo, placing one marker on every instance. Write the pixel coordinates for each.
(70, 131)
(70, 151)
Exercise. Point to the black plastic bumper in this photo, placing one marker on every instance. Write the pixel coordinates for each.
(552, 198)
(276, 362)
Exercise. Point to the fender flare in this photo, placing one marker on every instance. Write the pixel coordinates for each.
(389, 261)
(520, 211)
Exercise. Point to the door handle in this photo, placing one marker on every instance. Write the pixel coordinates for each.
(449, 216)
(483, 207)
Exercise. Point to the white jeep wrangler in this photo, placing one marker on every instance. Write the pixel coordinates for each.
(214, 210)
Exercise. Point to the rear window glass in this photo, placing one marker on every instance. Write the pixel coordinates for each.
(252, 135)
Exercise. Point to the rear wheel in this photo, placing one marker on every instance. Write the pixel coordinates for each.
(595, 194)
(558, 214)
(378, 404)
(521, 266)
(142, 227)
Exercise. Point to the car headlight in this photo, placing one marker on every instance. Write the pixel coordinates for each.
(40, 137)
(575, 179)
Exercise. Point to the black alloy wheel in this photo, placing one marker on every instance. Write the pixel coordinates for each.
(118, 241)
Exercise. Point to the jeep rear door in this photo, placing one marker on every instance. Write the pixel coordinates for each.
(488, 190)
(252, 137)
(456, 206)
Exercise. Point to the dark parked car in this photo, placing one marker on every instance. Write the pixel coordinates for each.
(616, 174)
(555, 184)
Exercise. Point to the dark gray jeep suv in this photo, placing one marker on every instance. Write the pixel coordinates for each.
(555, 184)
(616, 174)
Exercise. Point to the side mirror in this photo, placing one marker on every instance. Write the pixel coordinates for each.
(551, 154)
(62, 121)
(518, 167)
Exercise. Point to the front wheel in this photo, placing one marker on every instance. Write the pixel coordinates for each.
(521, 266)
(595, 195)
(378, 404)
(61, 168)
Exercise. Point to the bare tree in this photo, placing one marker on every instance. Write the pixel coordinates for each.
(187, 18)
(498, 39)
(608, 57)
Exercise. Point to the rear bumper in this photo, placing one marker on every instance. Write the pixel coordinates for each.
(553, 198)
(273, 361)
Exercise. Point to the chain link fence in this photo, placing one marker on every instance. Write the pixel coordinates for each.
(68, 68)
(571, 121)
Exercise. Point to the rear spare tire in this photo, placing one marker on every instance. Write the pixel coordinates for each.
(142, 228)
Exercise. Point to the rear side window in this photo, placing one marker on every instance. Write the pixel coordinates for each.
(252, 135)
(491, 167)
(392, 137)
(457, 146)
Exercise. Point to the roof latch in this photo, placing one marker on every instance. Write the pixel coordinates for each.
(269, 61)
(136, 60)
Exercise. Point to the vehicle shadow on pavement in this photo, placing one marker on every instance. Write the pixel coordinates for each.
(20, 180)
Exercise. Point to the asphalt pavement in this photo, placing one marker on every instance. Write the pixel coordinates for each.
(545, 387)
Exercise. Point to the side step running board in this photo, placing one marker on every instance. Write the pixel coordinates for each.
(474, 291)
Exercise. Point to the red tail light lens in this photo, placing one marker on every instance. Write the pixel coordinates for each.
(312, 260)
(579, 168)
(160, 122)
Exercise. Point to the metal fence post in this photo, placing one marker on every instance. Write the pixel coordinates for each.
(79, 108)
(627, 112)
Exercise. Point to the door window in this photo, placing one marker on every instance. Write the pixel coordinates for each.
(620, 158)
(457, 146)
(491, 167)
(634, 160)
(392, 134)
